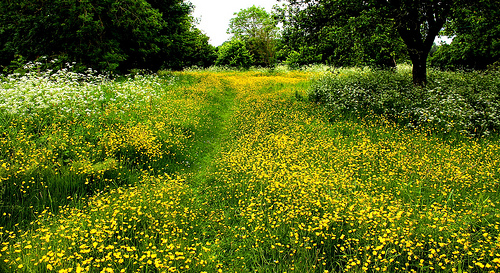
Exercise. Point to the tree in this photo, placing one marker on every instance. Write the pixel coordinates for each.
(476, 38)
(416, 22)
(234, 53)
(99, 33)
(258, 29)
(104, 34)
(182, 45)
(339, 33)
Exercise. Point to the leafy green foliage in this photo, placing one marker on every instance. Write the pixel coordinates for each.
(366, 30)
(476, 43)
(258, 29)
(103, 34)
(451, 102)
(182, 45)
(340, 34)
(235, 54)
(304, 56)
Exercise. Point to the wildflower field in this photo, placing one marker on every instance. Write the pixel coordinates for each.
(202, 171)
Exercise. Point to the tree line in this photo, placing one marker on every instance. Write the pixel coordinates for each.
(384, 32)
(161, 34)
(103, 34)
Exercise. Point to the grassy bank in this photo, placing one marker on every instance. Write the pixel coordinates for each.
(234, 171)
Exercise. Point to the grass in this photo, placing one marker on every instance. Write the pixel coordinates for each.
(54, 153)
(235, 171)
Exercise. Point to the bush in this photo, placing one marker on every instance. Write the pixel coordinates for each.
(234, 54)
(306, 56)
(452, 101)
(458, 56)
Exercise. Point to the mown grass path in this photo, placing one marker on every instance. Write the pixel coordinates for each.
(266, 182)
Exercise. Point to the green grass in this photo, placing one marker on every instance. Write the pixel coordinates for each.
(52, 159)
(237, 171)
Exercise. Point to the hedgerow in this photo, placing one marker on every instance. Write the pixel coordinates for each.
(462, 102)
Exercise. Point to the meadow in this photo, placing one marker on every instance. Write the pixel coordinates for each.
(227, 171)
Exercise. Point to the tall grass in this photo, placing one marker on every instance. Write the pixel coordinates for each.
(66, 136)
(266, 182)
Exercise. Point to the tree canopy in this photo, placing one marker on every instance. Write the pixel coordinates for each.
(234, 53)
(258, 29)
(104, 34)
(338, 33)
(416, 22)
(367, 31)
(161, 34)
(476, 38)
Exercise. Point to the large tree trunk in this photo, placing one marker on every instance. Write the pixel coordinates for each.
(418, 23)
(418, 49)
(419, 61)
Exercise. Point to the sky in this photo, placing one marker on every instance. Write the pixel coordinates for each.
(214, 15)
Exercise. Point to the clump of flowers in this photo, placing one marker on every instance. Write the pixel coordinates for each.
(71, 93)
(452, 101)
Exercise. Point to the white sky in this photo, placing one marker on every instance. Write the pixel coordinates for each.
(214, 15)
